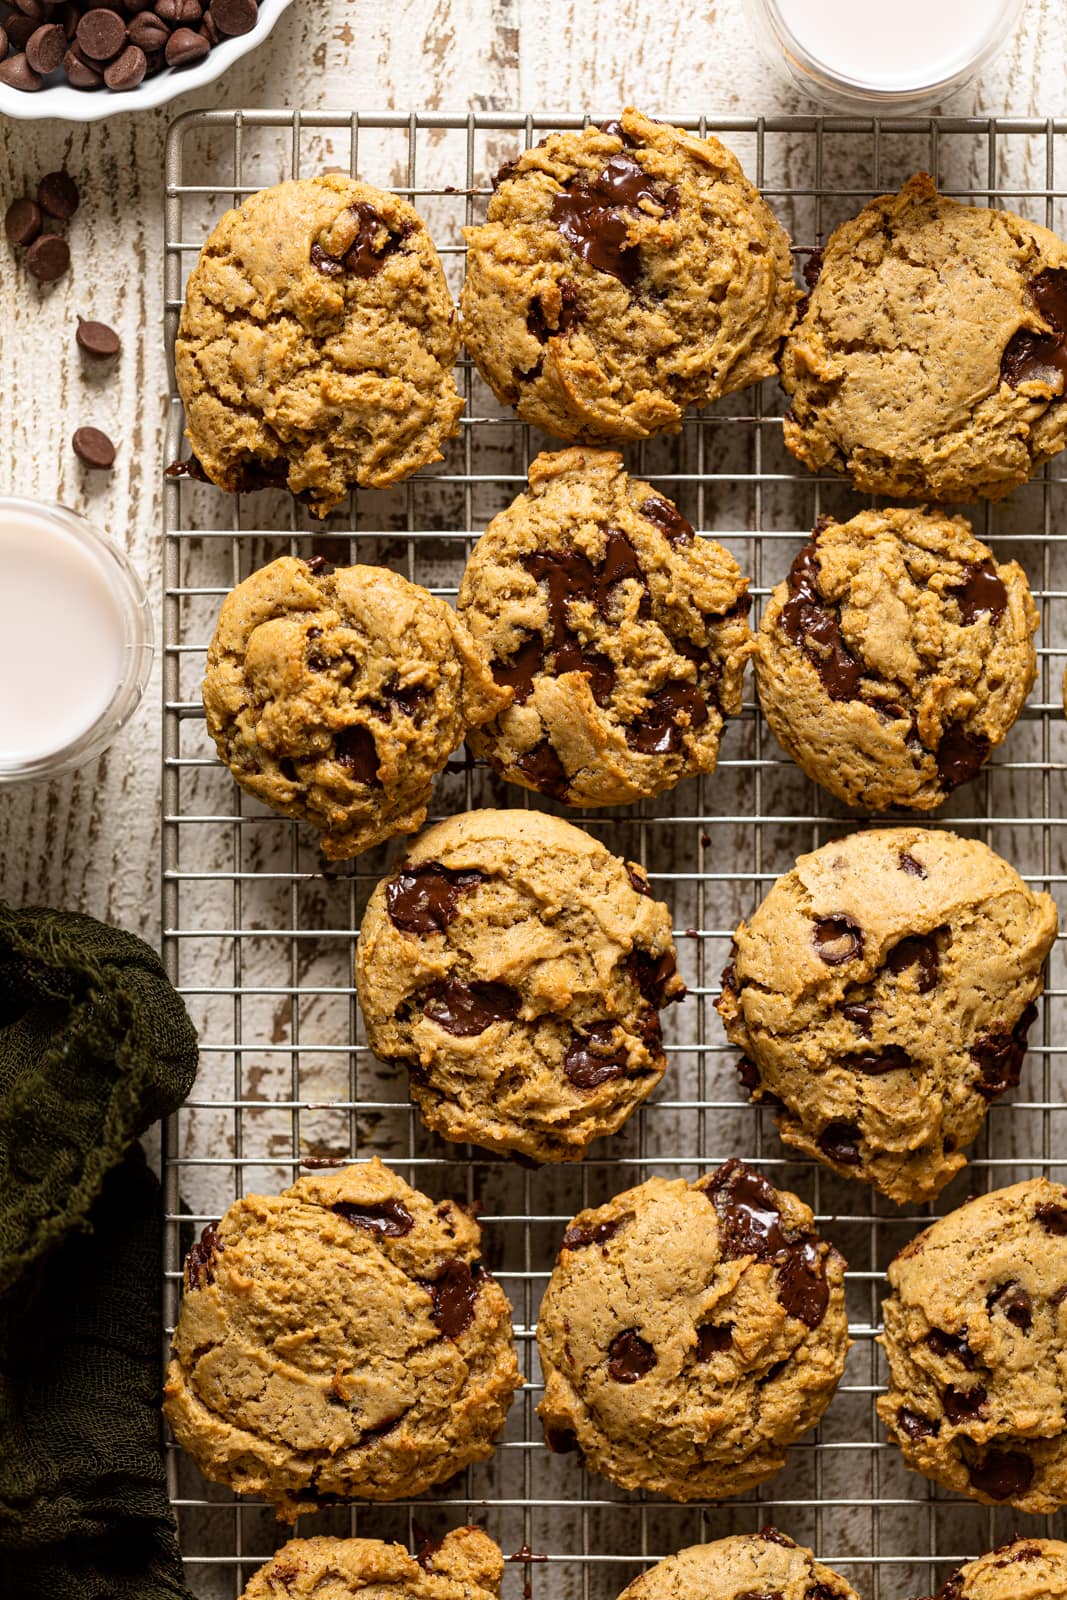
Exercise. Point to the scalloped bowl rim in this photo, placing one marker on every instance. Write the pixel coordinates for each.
(65, 104)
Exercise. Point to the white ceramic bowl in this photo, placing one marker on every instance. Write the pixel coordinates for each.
(61, 102)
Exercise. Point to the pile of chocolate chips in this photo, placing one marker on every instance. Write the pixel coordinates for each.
(111, 44)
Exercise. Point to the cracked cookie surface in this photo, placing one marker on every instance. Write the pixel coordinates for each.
(317, 343)
(976, 1339)
(739, 1568)
(339, 1340)
(621, 634)
(624, 273)
(464, 1565)
(1025, 1569)
(335, 696)
(932, 355)
(882, 993)
(690, 1333)
(896, 657)
(517, 969)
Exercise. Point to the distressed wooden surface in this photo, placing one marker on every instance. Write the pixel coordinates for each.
(91, 842)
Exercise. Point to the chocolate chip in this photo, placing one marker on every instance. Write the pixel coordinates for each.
(466, 1009)
(570, 315)
(4, 41)
(519, 671)
(17, 73)
(148, 31)
(712, 1338)
(1052, 1217)
(660, 730)
(999, 1055)
(200, 1262)
(873, 1063)
(22, 221)
(356, 751)
(48, 257)
(1041, 357)
(638, 882)
(20, 31)
(860, 1016)
(591, 1059)
(94, 448)
(748, 1073)
(319, 566)
(914, 1426)
(184, 47)
(960, 756)
(750, 1223)
(1002, 1474)
(654, 975)
(618, 564)
(588, 215)
(1012, 1300)
(424, 899)
(390, 1218)
(454, 1293)
(980, 592)
(772, 1536)
(952, 1346)
(545, 770)
(234, 17)
(918, 950)
(97, 340)
(668, 519)
(837, 940)
(908, 864)
(180, 13)
(127, 70)
(840, 1141)
(809, 622)
(45, 48)
(615, 128)
(630, 1358)
(81, 72)
(578, 1238)
(101, 34)
(961, 1405)
(812, 267)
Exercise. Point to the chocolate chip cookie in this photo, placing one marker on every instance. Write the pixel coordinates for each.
(317, 343)
(932, 355)
(336, 694)
(690, 1333)
(624, 273)
(739, 1568)
(1026, 1569)
(976, 1338)
(464, 1565)
(881, 995)
(896, 657)
(339, 1340)
(517, 969)
(621, 635)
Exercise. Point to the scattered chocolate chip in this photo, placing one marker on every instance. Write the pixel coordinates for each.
(545, 770)
(454, 1292)
(588, 215)
(45, 49)
(918, 950)
(591, 1059)
(94, 448)
(660, 730)
(1041, 357)
(999, 1055)
(424, 899)
(981, 592)
(578, 1238)
(750, 1223)
(184, 47)
(837, 940)
(97, 340)
(1002, 1474)
(1052, 1217)
(812, 624)
(860, 1016)
(391, 1218)
(630, 1358)
(1012, 1300)
(951, 1346)
(200, 1262)
(960, 756)
(915, 1426)
(712, 1338)
(840, 1141)
(908, 864)
(22, 221)
(962, 1405)
(668, 519)
(873, 1063)
(233, 17)
(48, 257)
(466, 1009)
(17, 73)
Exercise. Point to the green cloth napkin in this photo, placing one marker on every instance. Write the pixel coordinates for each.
(94, 1046)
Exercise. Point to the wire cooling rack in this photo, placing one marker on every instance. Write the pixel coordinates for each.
(260, 938)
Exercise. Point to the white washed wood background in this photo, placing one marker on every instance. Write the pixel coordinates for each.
(91, 842)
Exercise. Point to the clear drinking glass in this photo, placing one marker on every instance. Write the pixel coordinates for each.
(904, 56)
(76, 640)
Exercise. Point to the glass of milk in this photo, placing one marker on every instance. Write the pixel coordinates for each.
(902, 56)
(76, 640)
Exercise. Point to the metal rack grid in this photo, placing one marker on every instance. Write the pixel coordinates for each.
(260, 939)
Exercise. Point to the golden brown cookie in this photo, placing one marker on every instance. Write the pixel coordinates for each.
(690, 1333)
(739, 1568)
(317, 343)
(896, 657)
(1026, 1569)
(464, 1565)
(341, 1340)
(882, 992)
(932, 355)
(621, 634)
(976, 1339)
(517, 969)
(624, 273)
(336, 694)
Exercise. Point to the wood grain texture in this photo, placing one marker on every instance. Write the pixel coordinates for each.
(91, 842)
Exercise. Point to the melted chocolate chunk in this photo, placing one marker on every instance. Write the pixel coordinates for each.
(572, 657)
(812, 267)
(772, 1536)
(617, 131)
(809, 622)
(748, 1074)
(668, 519)
(750, 1224)
(591, 1059)
(200, 1262)
(329, 266)
(660, 732)
(391, 1218)
(364, 257)
(320, 567)
(952, 1346)
(545, 770)
(1052, 1217)
(638, 882)
(837, 940)
(999, 1055)
(729, 977)
(189, 468)
(588, 215)
(874, 1063)
(619, 563)
(860, 1016)
(356, 751)
(425, 898)
(1013, 1301)
(908, 864)
(630, 1357)
(454, 1293)
(1002, 1474)
(466, 1009)
(840, 1141)
(960, 756)
(961, 1405)
(570, 316)
(980, 592)
(918, 950)
(915, 1426)
(577, 1238)
(519, 671)
(713, 1337)
(1041, 356)
(652, 975)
